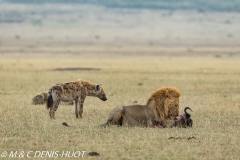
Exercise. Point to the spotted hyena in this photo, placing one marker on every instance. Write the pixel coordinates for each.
(73, 91)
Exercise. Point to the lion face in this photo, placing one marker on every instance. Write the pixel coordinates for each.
(172, 108)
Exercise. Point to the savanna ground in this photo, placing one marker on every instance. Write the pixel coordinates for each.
(131, 61)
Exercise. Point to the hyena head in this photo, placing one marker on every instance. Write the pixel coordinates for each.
(99, 92)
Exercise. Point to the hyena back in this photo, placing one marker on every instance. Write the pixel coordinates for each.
(73, 91)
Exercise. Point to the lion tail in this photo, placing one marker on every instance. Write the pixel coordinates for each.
(49, 99)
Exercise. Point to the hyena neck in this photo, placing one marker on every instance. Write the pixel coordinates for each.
(90, 88)
(91, 93)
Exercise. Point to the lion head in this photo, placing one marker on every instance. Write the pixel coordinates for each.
(171, 108)
(165, 103)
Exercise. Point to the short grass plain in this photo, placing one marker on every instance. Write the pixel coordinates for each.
(135, 51)
(209, 85)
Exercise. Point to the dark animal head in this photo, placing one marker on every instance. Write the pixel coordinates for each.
(100, 92)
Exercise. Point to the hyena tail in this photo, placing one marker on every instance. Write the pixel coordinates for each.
(49, 99)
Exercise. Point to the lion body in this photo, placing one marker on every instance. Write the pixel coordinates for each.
(123, 116)
(162, 106)
(73, 91)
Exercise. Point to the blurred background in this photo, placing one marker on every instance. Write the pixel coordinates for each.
(120, 26)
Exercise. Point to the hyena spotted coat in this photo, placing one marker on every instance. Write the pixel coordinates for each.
(73, 91)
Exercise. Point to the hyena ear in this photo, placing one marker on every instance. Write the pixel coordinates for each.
(97, 87)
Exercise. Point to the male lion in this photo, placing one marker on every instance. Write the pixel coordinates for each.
(73, 91)
(162, 107)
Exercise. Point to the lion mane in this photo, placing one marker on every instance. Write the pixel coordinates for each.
(162, 106)
(161, 100)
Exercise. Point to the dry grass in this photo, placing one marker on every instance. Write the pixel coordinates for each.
(210, 86)
(181, 49)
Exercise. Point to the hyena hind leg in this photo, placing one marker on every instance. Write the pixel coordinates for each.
(54, 108)
(80, 111)
(77, 107)
(52, 114)
(80, 106)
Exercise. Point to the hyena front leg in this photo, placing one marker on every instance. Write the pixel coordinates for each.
(81, 102)
(54, 108)
(77, 106)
